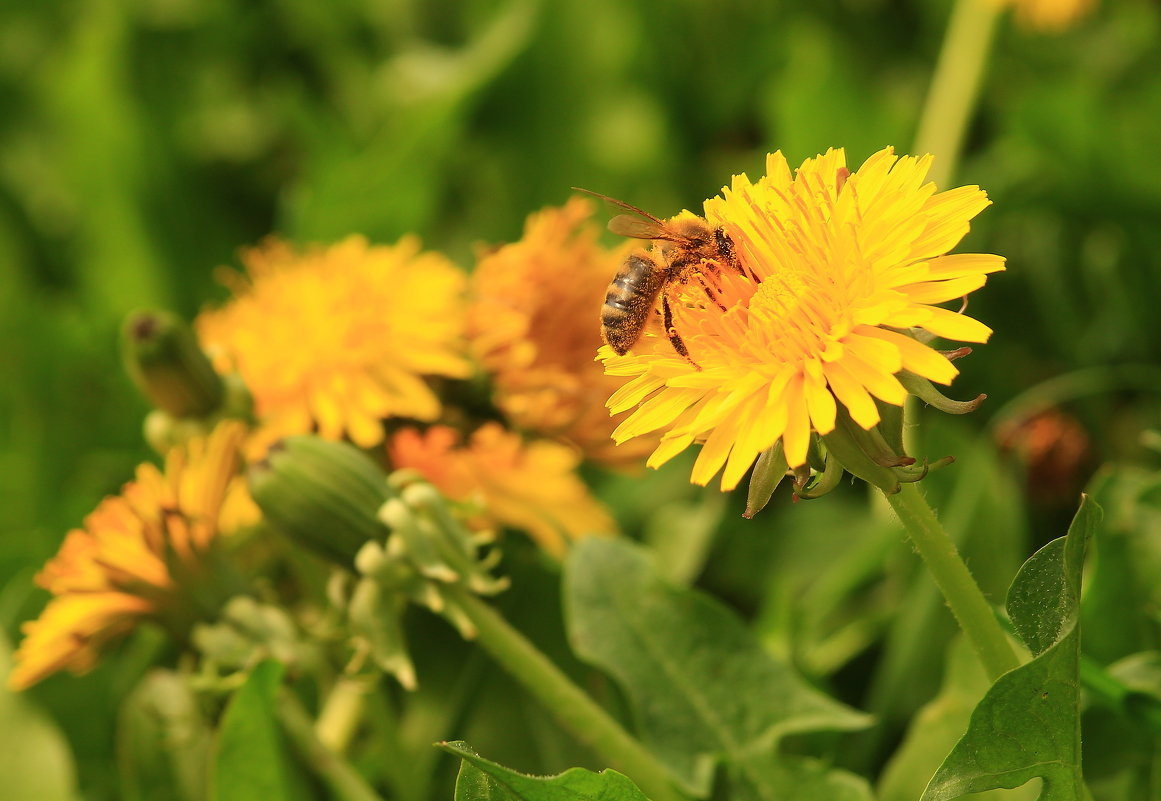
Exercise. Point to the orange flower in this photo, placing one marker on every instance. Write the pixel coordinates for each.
(528, 486)
(338, 338)
(534, 325)
(143, 554)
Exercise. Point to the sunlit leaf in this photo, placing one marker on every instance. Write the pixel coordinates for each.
(251, 760)
(701, 686)
(35, 761)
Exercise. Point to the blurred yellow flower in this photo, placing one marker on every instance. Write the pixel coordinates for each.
(528, 486)
(336, 338)
(143, 554)
(533, 324)
(1047, 15)
(838, 272)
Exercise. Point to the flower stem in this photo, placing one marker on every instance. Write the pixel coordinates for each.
(336, 773)
(342, 712)
(963, 595)
(578, 713)
(955, 86)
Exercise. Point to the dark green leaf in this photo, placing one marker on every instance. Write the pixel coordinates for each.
(481, 780)
(701, 686)
(1028, 724)
(250, 763)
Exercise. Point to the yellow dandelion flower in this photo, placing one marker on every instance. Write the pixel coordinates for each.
(528, 486)
(337, 338)
(139, 557)
(1047, 15)
(531, 325)
(838, 277)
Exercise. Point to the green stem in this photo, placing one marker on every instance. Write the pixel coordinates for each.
(578, 713)
(951, 575)
(336, 773)
(342, 712)
(955, 86)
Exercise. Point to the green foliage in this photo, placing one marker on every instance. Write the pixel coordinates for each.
(1028, 723)
(702, 688)
(481, 780)
(250, 759)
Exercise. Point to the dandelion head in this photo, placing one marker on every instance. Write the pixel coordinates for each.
(531, 326)
(146, 554)
(824, 317)
(334, 339)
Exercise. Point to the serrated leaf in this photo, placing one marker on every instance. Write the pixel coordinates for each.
(1028, 723)
(701, 686)
(250, 763)
(482, 780)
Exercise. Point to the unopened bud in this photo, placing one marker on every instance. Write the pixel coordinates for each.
(164, 360)
(324, 495)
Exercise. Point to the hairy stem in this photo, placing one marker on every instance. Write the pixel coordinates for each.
(972, 611)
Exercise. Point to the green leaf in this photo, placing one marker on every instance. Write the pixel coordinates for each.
(250, 763)
(1028, 723)
(936, 728)
(701, 686)
(35, 761)
(481, 780)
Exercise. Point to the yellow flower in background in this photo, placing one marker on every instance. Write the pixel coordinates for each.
(141, 555)
(533, 324)
(1047, 15)
(529, 486)
(337, 338)
(839, 276)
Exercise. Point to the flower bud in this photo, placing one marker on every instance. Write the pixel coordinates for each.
(162, 356)
(324, 495)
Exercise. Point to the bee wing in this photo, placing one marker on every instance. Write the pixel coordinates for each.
(625, 225)
(638, 224)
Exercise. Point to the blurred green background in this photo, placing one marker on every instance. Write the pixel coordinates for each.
(142, 142)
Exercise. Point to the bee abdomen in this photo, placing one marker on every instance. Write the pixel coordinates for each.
(629, 300)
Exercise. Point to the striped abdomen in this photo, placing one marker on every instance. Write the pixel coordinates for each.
(630, 299)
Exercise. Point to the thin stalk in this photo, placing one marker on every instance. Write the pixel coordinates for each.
(342, 712)
(336, 773)
(578, 713)
(972, 611)
(955, 87)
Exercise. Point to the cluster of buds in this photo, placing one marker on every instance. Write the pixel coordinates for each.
(396, 537)
(876, 455)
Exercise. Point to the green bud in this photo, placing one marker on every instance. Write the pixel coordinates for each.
(323, 495)
(162, 356)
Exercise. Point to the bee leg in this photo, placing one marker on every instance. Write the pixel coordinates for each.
(674, 338)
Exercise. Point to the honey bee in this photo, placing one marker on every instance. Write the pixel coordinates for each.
(633, 292)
